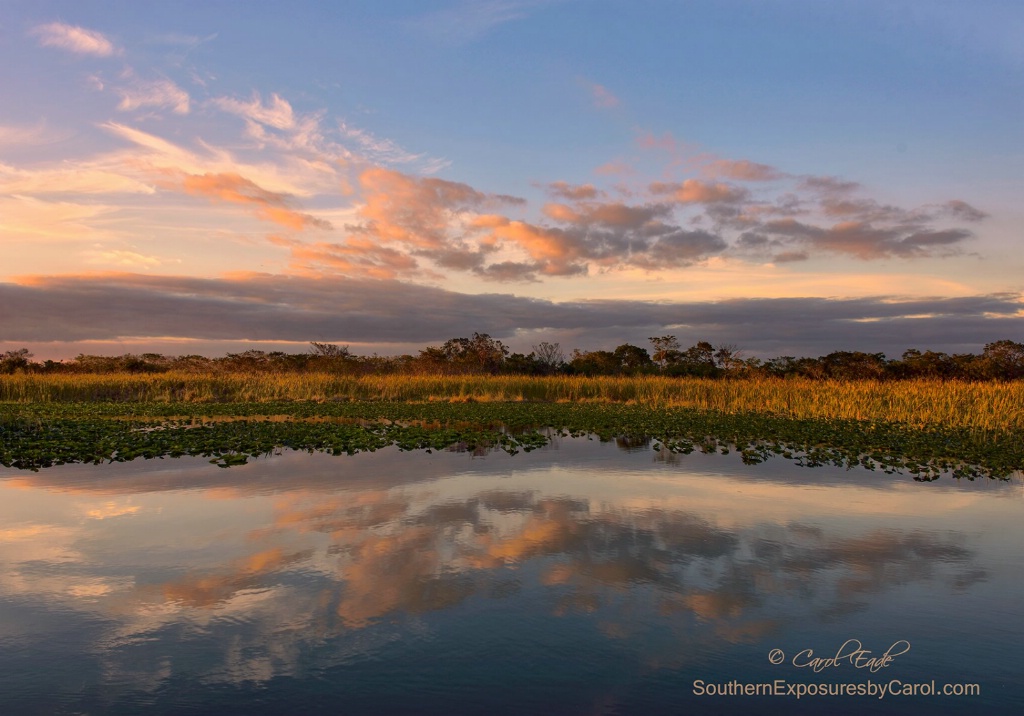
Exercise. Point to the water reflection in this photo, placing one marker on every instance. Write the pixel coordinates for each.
(155, 574)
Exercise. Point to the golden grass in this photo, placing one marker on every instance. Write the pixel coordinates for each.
(919, 402)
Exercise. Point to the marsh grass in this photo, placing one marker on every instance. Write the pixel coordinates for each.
(985, 405)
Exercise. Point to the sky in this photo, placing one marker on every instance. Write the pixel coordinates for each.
(785, 177)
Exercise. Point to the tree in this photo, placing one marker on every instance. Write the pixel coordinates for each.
(780, 365)
(666, 350)
(728, 357)
(930, 364)
(327, 356)
(854, 365)
(481, 353)
(131, 363)
(1005, 359)
(632, 359)
(701, 353)
(433, 359)
(519, 364)
(12, 361)
(594, 363)
(329, 350)
(549, 356)
(193, 362)
(488, 353)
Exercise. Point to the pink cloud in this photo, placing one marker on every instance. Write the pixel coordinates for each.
(790, 257)
(420, 212)
(867, 241)
(401, 224)
(236, 189)
(122, 258)
(35, 135)
(561, 213)
(613, 214)
(573, 192)
(828, 185)
(666, 142)
(488, 221)
(742, 170)
(74, 39)
(276, 112)
(157, 93)
(864, 210)
(27, 218)
(694, 191)
(614, 168)
(606, 235)
(602, 97)
(962, 210)
(71, 179)
(356, 257)
(555, 253)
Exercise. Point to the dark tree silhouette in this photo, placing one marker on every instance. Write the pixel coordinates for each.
(549, 356)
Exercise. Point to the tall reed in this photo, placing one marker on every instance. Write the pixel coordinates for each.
(918, 402)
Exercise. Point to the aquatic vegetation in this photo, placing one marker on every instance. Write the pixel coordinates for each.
(926, 427)
(39, 435)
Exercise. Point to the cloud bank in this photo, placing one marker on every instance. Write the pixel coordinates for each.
(293, 309)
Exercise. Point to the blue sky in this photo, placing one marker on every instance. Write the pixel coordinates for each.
(787, 177)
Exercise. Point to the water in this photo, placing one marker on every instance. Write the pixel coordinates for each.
(585, 578)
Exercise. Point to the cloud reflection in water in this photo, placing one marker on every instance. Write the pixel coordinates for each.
(306, 562)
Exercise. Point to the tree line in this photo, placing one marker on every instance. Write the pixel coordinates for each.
(481, 354)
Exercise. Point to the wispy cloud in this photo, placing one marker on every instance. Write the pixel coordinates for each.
(380, 150)
(292, 172)
(470, 20)
(268, 205)
(179, 39)
(153, 93)
(30, 220)
(275, 112)
(35, 135)
(166, 150)
(274, 122)
(121, 258)
(268, 190)
(601, 96)
(74, 39)
(81, 179)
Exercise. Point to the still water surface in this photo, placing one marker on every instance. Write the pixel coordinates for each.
(584, 578)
